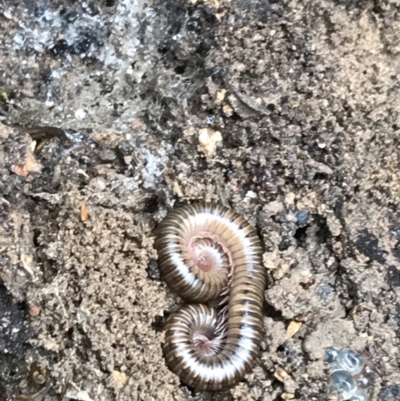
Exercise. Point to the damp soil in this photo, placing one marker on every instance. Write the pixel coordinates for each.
(286, 111)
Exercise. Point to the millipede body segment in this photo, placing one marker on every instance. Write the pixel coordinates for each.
(208, 252)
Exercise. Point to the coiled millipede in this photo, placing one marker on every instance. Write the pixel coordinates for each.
(206, 252)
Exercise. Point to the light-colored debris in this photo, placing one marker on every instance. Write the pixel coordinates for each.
(208, 141)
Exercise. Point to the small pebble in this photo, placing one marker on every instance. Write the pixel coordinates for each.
(107, 155)
(210, 119)
(302, 218)
(34, 310)
(324, 292)
(80, 114)
(19, 40)
(150, 12)
(152, 270)
(228, 111)
(390, 393)
(208, 141)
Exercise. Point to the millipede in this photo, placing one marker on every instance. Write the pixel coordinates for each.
(212, 257)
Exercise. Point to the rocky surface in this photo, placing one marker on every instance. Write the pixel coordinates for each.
(286, 111)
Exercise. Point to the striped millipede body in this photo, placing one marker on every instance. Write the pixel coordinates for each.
(209, 252)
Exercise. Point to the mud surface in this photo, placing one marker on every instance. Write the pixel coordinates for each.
(286, 111)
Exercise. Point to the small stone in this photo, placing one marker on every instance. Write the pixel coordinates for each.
(108, 155)
(228, 111)
(150, 12)
(34, 311)
(120, 378)
(208, 141)
(393, 276)
(390, 393)
(251, 195)
(220, 96)
(80, 114)
(30, 166)
(19, 39)
(281, 374)
(289, 198)
(325, 291)
(302, 218)
(190, 131)
(273, 208)
(210, 119)
(321, 143)
(152, 270)
(287, 396)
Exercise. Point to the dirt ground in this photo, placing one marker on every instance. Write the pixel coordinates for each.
(288, 111)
